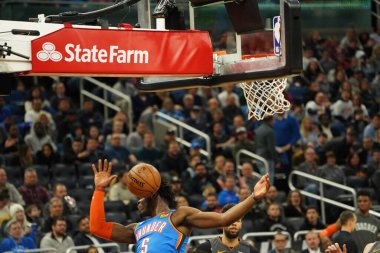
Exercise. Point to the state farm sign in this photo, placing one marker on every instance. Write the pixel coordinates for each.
(120, 52)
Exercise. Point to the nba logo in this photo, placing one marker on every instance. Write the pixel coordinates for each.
(277, 35)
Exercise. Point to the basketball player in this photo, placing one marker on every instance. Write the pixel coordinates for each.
(370, 248)
(229, 241)
(166, 230)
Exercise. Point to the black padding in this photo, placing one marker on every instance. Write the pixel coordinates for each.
(244, 16)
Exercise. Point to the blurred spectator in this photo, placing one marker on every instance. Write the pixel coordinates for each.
(125, 85)
(242, 142)
(59, 93)
(170, 136)
(5, 111)
(351, 36)
(120, 192)
(211, 204)
(197, 120)
(229, 194)
(48, 124)
(220, 141)
(370, 129)
(312, 70)
(148, 152)
(14, 195)
(168, 108)
(18, 214)
(330, 171)
(33, 214)
(92, 249)
(266, 146)
(312, 220)
(88, 116)
(228, 169)
(358, 105)
(65, 118)
(36, 92)
(367, 225)
(238, 122)
(76, 154)
(94, 133)
(273, 220)
(317, 107)
(118, 127)
(116, 153)
(68, 203)
(31, 191)
(195, 150)
(231, 109)
(177, 186)
(196, 185)
(16, 242)
(343, 110)
(140, 102)
(270, 197)
(287, 135)
(38, 137)
(4, 206)
(47, 156)
(135, 139)
(365, 150)
(248, 177)
(30, 116)
(326, 127)
(348, 221)
(354, 166)
(76, 134)
(83, 236)
(187, 105)
(313, 243)
(374, 164)
(309, 131)
(327, 63)
(174, 161)
(227, 91)
(57, 238)
(280, 242)
(55, 210)
(310, 167)
(294, 205)
(341, 146)
(12, 141)
(190, 171)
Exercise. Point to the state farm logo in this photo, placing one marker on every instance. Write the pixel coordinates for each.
(48, 53)
(78, 53)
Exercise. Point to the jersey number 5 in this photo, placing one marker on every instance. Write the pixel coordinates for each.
(144, 245)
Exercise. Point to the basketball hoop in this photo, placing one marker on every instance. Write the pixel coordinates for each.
(265, 97)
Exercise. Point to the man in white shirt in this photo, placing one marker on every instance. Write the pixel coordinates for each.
(313, 243)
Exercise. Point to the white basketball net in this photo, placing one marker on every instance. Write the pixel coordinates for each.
(265, 97)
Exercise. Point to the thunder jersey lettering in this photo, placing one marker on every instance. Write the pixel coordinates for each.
(158, 235)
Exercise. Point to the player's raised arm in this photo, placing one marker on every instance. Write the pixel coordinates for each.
(98, 225)
(192, 217)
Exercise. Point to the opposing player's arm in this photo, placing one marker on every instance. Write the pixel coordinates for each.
(192, 217)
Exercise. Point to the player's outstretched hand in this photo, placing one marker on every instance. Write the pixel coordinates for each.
(335, 248)
(102, 174)
(261, 187)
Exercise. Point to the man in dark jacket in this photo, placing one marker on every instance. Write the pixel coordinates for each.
(83, 236)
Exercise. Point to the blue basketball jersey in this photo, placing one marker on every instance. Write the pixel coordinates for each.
(158, 235)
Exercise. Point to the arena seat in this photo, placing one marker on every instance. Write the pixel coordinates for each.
(296, 222)
(118, 217)
(356, 181)
(64, 170)
(43, 175)
(81, 195)
(14, 175)
(114, 206)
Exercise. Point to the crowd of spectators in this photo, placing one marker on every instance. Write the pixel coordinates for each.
(332, 131)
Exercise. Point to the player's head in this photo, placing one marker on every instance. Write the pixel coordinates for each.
(348, 220)
(232, 231)
(147, 206)
(364, 201)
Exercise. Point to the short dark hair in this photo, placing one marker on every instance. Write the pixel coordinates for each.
(312, 207)
(4, 194)
(345, 217)
(364, 193)
(55, 220)
(167, 195)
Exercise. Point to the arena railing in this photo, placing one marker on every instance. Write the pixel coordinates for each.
(106, 90)
(181, 126)
(103, 245)
(321, 182)
(246, 152)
